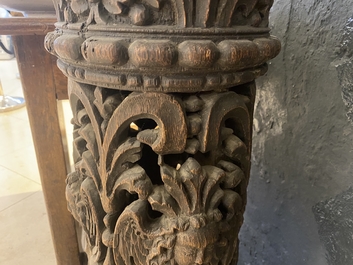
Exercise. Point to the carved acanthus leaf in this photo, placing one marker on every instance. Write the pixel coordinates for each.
(234, 174)
(113, 6)
(79, 6)
(152, 3)
(124, 158)
(84, 203)
(106, 104)
(135, 181)
(163, 202)
(193, 187)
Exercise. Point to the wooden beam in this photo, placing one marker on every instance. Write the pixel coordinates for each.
(38, 83)
(26, 26)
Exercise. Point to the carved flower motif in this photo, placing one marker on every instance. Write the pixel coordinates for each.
(137, 13)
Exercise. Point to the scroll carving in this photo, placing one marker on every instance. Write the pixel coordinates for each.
(162, 93)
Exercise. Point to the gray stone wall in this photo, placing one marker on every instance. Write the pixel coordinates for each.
(300, 204)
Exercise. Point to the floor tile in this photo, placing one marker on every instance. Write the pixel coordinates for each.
(18, 113)
(14, 188)
(8, 76)
(23, 162)
(25, 234)
(15, 134)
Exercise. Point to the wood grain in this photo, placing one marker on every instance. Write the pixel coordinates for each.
(38, 85)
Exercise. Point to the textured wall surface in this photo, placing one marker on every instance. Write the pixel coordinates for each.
(300, 202)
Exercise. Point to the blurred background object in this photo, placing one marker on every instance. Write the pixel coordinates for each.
(6, 47)
(7, 103)
(38, 8)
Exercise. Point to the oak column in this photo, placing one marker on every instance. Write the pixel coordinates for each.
(162, 93)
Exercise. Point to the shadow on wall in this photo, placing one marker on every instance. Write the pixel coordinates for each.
(300, 202)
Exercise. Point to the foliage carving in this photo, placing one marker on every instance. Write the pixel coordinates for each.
(183, 13)
(187, 201)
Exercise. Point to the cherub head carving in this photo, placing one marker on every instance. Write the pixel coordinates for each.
(197, 246)
(186, 221)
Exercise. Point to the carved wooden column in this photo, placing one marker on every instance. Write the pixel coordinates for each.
(162, 93)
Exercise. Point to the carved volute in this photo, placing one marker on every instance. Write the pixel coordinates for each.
(162, 93)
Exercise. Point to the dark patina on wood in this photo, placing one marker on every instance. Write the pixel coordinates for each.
(162, 93)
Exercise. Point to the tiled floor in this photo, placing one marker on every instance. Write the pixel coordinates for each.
(24, 229)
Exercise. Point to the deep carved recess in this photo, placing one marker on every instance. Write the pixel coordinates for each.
(162, 93)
